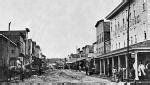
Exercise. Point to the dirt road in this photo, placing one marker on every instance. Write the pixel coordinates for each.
(64, 76)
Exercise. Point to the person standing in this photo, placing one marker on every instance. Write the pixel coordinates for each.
(18, 63)
(141, 71)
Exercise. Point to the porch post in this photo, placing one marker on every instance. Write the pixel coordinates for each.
(108, 66)
(100, 67)
(104, 66)
(126, 59)
(94, 61)
(136, 66)
(119, 66)
(112, 65)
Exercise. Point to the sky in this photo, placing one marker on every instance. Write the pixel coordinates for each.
(58, 26)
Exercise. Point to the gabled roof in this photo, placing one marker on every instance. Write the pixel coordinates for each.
(117, 10)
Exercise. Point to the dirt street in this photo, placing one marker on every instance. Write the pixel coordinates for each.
(64, 76)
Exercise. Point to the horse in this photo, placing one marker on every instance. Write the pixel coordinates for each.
(13, 71)
(23, 71)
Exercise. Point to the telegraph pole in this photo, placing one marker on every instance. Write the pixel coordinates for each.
(8, 44)
(8, 41)
(128, 28)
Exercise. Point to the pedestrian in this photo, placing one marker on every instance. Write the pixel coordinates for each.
(86, 68)
(147, 67)
(141, 71)
(18, 63)
(133, 70)
(121, 74)
(114, 71)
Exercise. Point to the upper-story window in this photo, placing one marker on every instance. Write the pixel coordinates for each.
(100, 38)
(135, 39)
(126, 15)
(118, 25)
(134, 14)
(111, 26)
(145, 36)
(115, 25)
(123, 22)
(130, 16)
(144, 5)
(131, 41)
(13, 51)
(124, 43)
(134, 17)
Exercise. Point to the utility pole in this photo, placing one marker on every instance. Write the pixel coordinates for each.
(128, 28)
(8, 40)
(8, 44)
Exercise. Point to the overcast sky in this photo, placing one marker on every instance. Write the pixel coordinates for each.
(58, 26)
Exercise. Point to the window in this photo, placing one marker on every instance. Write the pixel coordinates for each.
(124, 43)
(111, 26)
(119, 44)
(100, 38)
(127, 15)
(144, 5)
(123, 21)
(131, 41)
(138, 19)
(116, 45)
(118, 25)
(145, 36)
(115, 25)
(13, 51)
(134, 18)
(135, 39)
(130, 18)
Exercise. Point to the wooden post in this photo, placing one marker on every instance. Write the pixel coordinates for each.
(100, 67)
(126, 59)
(136, 66)
(104, 66)
(119, 66)
(108, 67)
(112, 63)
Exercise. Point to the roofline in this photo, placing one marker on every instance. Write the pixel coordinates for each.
(122, 5)
(8, 39)
(95, 42)
(26, 30)
(96, 25)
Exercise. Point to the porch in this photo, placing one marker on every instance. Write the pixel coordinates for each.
(115, 61)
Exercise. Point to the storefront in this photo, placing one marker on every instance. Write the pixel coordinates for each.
(117, 60)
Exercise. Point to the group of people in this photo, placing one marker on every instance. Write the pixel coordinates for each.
(143, 70)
